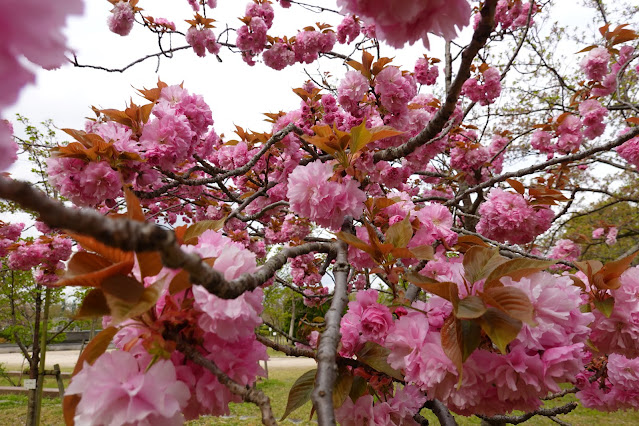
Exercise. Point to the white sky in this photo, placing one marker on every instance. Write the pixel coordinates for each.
(237, 94)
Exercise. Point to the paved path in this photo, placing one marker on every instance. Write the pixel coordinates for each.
(67, 359)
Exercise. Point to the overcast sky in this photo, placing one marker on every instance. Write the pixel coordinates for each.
(237, 94)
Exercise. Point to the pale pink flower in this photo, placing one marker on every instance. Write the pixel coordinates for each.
(595, 65)
(598, 233)
(326, 203)
(565, 250)
(351, 91)
(611, 238)
(409, 21)
(348, 30)
(116, 389)
(122, 18)
(425, 73)
(279, 56)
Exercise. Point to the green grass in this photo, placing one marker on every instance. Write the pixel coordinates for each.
(13, 409)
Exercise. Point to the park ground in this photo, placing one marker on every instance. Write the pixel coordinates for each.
(283, 371)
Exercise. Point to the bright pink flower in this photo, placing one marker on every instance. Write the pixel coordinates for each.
(570, 134)
(351, 91)
(395, 89)
(261, 10)
(629, 151)
(167, 140)
(116, 389)
(593, 113)
(425, 73)
(595, 65)
(507, 216)
(279, 56)
(348, 30)
(122, 18)
(565, 250)
(611, 238)
(326, 203)
(409, 21)
(309, 44)
(202, 40)
(487, 92)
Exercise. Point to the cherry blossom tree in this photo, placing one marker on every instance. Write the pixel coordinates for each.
(450, 289)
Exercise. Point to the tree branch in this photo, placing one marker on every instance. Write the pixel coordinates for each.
(322, 395)
(131, 235)
(440, 119)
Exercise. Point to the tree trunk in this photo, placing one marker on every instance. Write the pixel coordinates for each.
(35, 359)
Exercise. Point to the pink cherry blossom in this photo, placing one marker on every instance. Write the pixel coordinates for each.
(348, 29)
(409, 21)
(116, 389)
(425, 73)
(326, 203)
(122, 18)
(595, 65)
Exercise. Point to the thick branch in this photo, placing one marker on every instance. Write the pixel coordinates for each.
(440, 119)
(288, 350)
(131, 235)
(322, 395)
(441, 411)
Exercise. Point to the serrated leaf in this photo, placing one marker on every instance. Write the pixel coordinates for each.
(446, 290)
(400, 233)
(470, 307)
(500, 328)
(479, 262)
(198, 228)
(352, 240)
(127, 298)
(605, 306)
(465, 242)
(300, 392)
(450, 334)
(375, 356)
(511, 301)
(516, 269)
(89, 270)
(342, 387)
(111, 253)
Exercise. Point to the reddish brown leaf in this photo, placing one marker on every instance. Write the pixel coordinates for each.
(516, 269)
(94, 305)
(470, 307)
(113, 254)
(511, 301)
(479, 262)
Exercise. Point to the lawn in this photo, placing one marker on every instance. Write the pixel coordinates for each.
(13, 409)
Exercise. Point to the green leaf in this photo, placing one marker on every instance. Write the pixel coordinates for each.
(511, 301)
(300, 392)
(459, 339)
(375, 356)
(400, 233)
(198, 228)
(605, 306)
(358, 388)
(516, 269)
(479, 262)
(501, 328)
(470, 307)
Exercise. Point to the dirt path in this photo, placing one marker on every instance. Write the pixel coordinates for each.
(67, 360)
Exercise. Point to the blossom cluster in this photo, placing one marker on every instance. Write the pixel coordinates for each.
(171, 390)
(324, 202)
(509, 217)
(486, 92)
